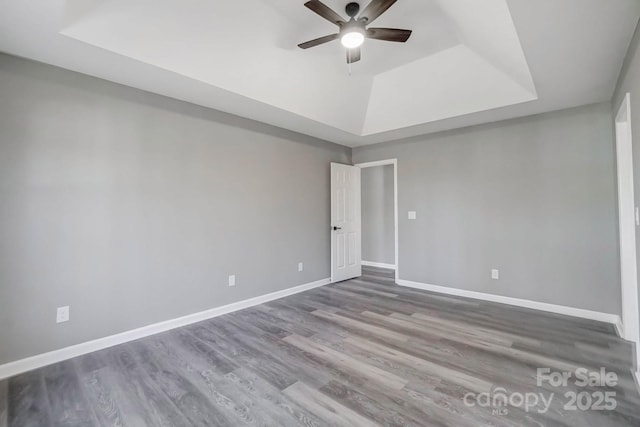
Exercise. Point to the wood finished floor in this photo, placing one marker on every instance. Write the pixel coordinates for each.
(361, 352)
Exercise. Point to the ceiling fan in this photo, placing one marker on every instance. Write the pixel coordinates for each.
(353, 32)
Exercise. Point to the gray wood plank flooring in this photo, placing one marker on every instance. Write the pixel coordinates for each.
(363, 352)
(4, 388)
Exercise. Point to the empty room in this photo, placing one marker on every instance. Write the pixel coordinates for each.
(319, 213)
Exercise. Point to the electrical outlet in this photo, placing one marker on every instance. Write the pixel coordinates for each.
(495, 274)
(300, 266)
(232, 280)
(62, 315)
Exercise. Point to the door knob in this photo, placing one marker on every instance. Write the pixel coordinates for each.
(337, 228)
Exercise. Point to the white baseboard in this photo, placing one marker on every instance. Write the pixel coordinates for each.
(19, 366)
(542, 306)
(378, 264)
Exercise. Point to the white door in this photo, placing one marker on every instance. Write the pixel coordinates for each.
(345, 222)
(626, 211)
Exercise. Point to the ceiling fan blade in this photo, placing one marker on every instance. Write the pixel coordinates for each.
(375, 9)
(325, 11)
(318, 41)
(389, 34)
(353, 55)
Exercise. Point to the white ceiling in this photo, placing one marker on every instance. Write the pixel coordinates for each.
(467, 61)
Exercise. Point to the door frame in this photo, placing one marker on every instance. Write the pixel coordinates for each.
(386, 162)
(627, 224)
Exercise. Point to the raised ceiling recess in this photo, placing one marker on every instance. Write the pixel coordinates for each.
(466, 61)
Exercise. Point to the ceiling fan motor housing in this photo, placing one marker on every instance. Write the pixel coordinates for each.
(353, 26)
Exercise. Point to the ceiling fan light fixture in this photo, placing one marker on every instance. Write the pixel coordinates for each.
(352, 39)
(353, 32)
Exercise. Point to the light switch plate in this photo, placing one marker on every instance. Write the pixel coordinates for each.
(300, 266)
(411, 215)
(495, 274)
(232, 280)
(62, 314)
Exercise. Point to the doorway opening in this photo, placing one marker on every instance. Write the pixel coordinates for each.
(379, 211)
(628, 220)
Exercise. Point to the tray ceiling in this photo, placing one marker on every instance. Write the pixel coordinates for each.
(466, 62)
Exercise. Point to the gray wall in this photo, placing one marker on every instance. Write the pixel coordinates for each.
(629, 82)
(533, 197)
(377, 214)
(134, 208)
